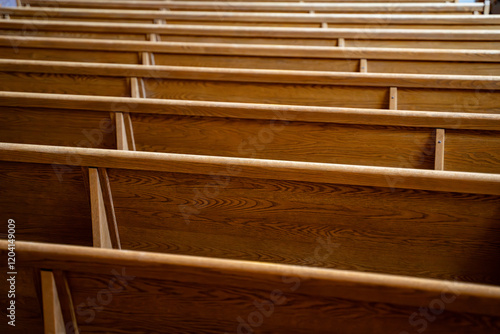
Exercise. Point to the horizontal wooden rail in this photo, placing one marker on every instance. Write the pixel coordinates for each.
(476, 183)
(351, 37)
(283, 57)
(354, 33)
(381, 20)
(491, 83)
(398, 138)
(258, 288)
(276, 6)
(285, 51)
(428, 119)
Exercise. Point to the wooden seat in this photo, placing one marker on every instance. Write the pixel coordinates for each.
(406, 38)
(346, 59)
(91, 290)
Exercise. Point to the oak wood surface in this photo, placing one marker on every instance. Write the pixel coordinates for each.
(191, 282)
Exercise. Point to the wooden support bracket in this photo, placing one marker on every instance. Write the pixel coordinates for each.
(393, 98)
(363, 65)
(104, 226)
(439, 153)
(53, 321)
(341, 42)
(66, 302)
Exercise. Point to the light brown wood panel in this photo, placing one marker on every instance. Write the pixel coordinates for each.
(64, 84)
(472, 45)
(249, 40)
(80, 128)
(81, 55)
(248, 24)
(386, 23)
(429, 67)
(46, 209)
(46, 17)
(479, 101)
(300, 141)
(312, 95)
(71, 34)
(29, 315)
(474, 151)
(406, 232)
(309, 64)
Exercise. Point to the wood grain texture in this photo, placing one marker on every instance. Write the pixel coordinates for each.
(439, 44)
(450, 100)
(29, 314)
(427, 67)
(246, 92)
(274, 6)
(405, 178)
(189, 292)
(44, 126)
(282, 51)
(355, 116)
(472, 151)
(46, 209)
(299, 141)
(100, 231)
(63, 84)
(282, 221)
(69, 55)
(308, 64)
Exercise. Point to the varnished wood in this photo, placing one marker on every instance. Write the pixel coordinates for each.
(273, 6)
(65, 302)
(440, 149)
(52, 315)
(393, 96)
(160, 275)
(108, 202)
(258, 168)
(363, 65)
(255, 111)
(230, 18)
(100, 230)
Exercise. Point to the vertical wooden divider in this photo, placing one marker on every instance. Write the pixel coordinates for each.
(363, 65)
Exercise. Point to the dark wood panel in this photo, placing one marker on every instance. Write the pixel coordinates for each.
(69, 55)
(28, 303)
(406, 232)
(472, 151)
(300, 141)
(45, 209)
(64, 84)
(208, 305)
(313, 95)
(44, 126)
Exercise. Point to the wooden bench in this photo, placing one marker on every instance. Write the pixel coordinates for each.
(390, 138)
(348, 37)
(319, 20)
(84, 290)
(417, 8)
(440, 224)
(474, 94)
(375, 60)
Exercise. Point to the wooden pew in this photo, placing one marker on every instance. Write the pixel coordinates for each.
(347, 37)
(397, 138)
(374, 60)
(98, 290)
(473, 94)
(352, 7)
(376, 21)
(440, 224)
